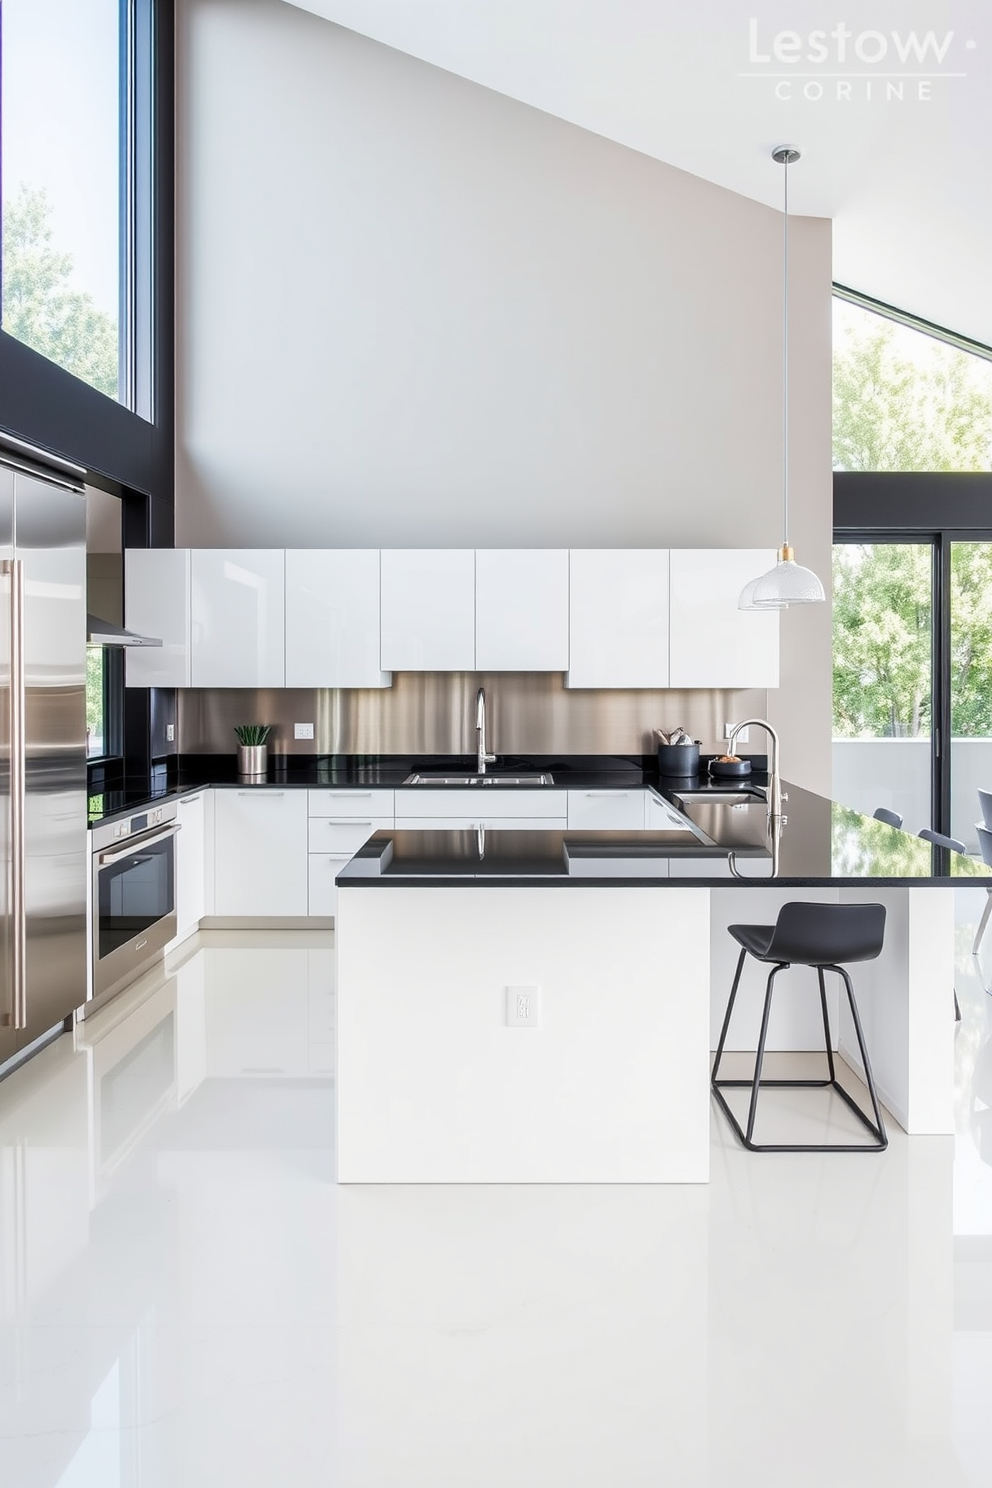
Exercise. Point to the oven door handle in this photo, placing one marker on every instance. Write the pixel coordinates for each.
(137, 843)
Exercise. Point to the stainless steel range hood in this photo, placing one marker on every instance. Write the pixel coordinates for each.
(105, 633)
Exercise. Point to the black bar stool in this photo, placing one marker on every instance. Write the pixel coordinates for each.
(819, 935)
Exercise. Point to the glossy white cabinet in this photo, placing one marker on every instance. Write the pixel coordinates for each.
(713, 643)
(482, 802)
(157, 603)
(473, 822)
(428, 610)
(340, 820)
(322, 895)
(618, 617)
(237, 625)
(521, 609)
(332, 618)
(341, 801)
(191, 900)
(606, 810)
(260, 852)
(659, 816)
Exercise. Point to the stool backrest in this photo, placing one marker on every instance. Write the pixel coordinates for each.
(821, 934)
(985, 802)
(985, 845)
(892, 818)
(939, 840)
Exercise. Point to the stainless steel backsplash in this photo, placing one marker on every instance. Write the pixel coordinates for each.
(434, 713)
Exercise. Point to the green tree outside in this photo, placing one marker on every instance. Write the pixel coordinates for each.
(40, 307)
(893, 411)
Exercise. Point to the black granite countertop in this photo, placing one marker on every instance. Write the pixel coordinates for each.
(820, 842)
(181, 774)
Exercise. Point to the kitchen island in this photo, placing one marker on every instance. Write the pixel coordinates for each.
(538, 1006)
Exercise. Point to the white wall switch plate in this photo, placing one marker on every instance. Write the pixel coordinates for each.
(302, 730)
(523, 1007)
(170, 733)
(744, 737)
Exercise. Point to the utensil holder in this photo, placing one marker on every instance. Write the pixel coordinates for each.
(678, 759)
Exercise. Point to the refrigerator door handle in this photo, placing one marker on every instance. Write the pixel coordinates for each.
(17, 1017)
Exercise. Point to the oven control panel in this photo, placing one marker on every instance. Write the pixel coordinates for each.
(141, 823)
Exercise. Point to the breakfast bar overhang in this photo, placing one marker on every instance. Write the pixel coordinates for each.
(616, 943)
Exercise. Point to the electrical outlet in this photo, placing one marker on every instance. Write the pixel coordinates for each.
(302, 730)
(744, 737)
(170, 733)
(523, 1007)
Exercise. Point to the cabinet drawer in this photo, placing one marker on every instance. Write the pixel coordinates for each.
(606, 810)
(660, 814)
(322, 898)
(491, 823)
(329, 834)
(486, 800)
(363, 803)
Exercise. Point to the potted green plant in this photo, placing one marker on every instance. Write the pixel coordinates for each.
(252, 751)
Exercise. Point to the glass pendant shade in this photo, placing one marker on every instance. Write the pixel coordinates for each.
(746, 601)
(788, 583)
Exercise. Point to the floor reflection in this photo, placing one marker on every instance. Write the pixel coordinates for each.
(187, 1300)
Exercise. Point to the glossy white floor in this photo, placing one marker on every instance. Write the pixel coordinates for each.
(187, 1300)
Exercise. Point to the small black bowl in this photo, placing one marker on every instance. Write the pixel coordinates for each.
(730, 768)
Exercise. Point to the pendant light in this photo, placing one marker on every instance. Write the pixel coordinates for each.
(787, 583)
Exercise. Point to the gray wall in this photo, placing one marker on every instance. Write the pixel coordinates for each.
(415, 313)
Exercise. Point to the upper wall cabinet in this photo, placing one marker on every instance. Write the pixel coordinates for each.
(521, 609)
(618, 618)
(237, 630)
(713, 643)
(428, 610)
(156, 603)
(332, 618)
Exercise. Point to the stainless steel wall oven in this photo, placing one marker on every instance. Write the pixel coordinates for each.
(134, 895)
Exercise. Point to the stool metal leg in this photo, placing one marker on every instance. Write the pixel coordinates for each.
(877, 1128)
(826, 1025)
(730, 1009)
(759, 1054)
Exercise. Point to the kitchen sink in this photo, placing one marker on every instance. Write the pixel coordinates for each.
(749, 797)
(538, 779)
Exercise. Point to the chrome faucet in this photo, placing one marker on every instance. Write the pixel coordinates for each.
(775, 796)
(482, 758)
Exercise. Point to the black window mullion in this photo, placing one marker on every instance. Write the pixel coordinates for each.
(940, 758)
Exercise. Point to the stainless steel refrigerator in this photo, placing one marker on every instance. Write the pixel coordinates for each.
(42, 755)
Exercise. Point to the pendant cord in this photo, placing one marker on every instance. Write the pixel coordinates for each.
(785, 363)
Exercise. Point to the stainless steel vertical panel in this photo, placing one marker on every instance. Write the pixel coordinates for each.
(18, 796)
(8, 1042)
(50, 543)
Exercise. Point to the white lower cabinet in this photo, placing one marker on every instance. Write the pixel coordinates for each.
(191, 894)
(659, 815)
(322, 897)
(483, 803)
(488, 823)
(339, 822)
(606, 810)
(260, 852)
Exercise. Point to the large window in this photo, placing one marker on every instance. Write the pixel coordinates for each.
(74, 177)
(912, 570)
(883, 707)
(906, 400)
